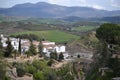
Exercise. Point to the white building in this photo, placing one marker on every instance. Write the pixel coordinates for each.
(15, 42)
(51, 47)
(60, 48)
(48, 46)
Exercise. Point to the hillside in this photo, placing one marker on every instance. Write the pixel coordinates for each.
(46, 10)
(111, 19)
(85, 44)
(52, 35)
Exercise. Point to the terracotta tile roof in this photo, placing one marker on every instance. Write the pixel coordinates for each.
(49, 46)
(26, 44)
(45, 41)
(36, 43)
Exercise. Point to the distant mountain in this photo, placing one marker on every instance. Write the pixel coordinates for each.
(72, 18)
(46, 10)
(112, 19)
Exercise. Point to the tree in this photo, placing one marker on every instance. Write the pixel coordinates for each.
(1, 43)
(1, 49)
(9, 49)
(53, 55)
(109, 33)
(28, 53)
(32, 49)
(114, 64)
(20, 71)
(61, 56)
(19, 47)
(78, 56)
(40, 48)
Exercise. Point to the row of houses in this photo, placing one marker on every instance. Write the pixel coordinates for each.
(48, 46)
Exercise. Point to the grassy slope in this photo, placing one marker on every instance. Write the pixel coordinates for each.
(45, 20)
(85, 44)
(52, 35)
(84, 28)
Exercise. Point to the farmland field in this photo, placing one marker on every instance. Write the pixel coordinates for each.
(52, 35)
(84, 28)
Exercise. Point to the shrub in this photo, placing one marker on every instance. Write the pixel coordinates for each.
(78, 56)
(50, 62)
(20, 71)
(31, 69)
(39, 75)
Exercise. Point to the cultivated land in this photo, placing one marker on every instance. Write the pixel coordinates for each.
(52, 35)
(84, 28)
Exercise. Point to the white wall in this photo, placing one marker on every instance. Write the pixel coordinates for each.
(60, 49)
(44, 50)
(48, 43)
(63, 49)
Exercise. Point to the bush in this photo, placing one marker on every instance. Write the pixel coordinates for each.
(52, 76)
(2, 70)
(31, 69)
(20, 72)
(39, 75)
(40, 65)
(78, 56)
(69, 77)
(50, 62)
(63, 71)
(53, 55)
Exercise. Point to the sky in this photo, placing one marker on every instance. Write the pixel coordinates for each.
(98, 4)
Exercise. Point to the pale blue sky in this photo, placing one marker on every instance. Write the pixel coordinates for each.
(99, 4)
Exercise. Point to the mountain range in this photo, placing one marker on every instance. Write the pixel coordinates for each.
(46, 10)
(112, 19)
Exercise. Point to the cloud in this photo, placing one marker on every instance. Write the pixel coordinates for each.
(68, 2)
(115, 3)
(97, 7)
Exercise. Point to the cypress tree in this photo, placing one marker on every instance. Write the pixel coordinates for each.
(61, 56)
(19, 47)
(40, 48)
(1, 48)
(32, 49)
(9, 49)
(53, 55)
(1, 43)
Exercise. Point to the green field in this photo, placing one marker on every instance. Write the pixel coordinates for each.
(84, 28)
(52, 35)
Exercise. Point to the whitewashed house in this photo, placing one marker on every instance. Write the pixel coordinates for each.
(3, 40)
(15, 43)
(49, 47)
(25, 44)
(25, 47)
(59, 48)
